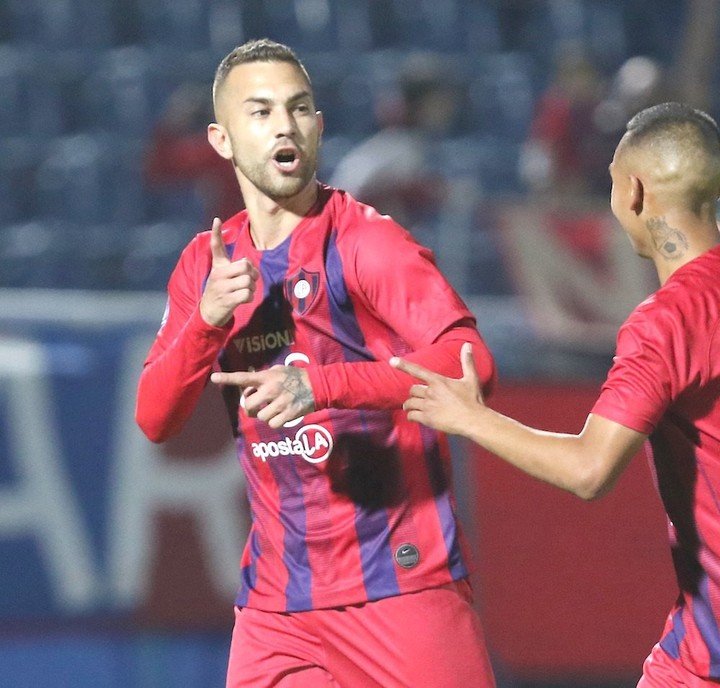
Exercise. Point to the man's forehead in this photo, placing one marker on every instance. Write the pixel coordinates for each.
(267, 76)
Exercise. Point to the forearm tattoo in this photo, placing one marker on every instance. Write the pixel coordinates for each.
(671, 243)
(302, 394)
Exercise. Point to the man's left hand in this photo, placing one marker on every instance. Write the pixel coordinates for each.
(276, 396)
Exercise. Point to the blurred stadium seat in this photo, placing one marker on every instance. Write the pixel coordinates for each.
(31, 100)
(90, 178)
(19, 158)
(119, 94)
(180, 23)
(450, 26)
(152, 251)
(61, 23)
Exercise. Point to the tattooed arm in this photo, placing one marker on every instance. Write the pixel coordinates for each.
(276, 395)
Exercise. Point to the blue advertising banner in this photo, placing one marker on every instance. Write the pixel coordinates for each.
(95, 520)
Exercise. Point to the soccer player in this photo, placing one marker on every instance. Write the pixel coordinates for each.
(354, 572)
(664, 383)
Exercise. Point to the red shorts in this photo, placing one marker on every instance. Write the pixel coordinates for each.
(428, 639)
(660, 670)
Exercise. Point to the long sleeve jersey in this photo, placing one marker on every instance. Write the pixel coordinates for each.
(352, 502)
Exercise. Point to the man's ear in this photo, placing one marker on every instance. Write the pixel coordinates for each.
(637, 195)
(219, 140)
(321, 123)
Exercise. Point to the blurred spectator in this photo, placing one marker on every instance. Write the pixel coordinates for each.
(637, 84)
(180, 160)
(393, 169)
(695, 67)
(564, 153)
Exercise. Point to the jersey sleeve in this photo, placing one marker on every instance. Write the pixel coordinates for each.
(640, 384)
(398, 281)
(182, 356)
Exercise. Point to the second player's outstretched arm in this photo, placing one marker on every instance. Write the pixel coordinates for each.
(586, 464)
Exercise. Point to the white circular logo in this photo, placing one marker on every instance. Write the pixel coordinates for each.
(302, 289)
(316, 443)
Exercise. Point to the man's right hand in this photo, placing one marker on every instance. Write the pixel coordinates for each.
(229, 284)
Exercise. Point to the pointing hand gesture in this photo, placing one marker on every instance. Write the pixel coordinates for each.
(276, 395)
(229, 284)
(444, 403)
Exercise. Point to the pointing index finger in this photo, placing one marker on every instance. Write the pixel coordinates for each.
(217, 247)
(238, 379)
(412, 369)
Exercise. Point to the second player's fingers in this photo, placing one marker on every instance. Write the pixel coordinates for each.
(412, 369)
(419, 391)
(468, 362)
(413, 404)
(416, 416)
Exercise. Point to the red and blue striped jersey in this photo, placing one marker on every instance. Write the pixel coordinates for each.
(665, 382)
(351, 502)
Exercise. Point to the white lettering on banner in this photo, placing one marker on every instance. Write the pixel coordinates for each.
(41, 501)
(144, 482)
(559, 286)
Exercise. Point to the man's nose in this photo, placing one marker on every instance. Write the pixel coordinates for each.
(284, 123)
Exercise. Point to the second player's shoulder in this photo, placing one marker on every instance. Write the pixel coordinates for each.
(673, 321)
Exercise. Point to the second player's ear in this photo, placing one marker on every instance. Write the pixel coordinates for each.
(219, 140)
(637, 195)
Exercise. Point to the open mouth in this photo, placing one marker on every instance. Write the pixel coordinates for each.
(287, 159)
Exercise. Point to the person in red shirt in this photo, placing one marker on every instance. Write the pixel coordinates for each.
(179, 158)
(354, 572)
(664, 383)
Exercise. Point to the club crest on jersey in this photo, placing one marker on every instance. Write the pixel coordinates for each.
(301, 290)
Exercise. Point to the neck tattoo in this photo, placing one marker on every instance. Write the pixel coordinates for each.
(671, 243)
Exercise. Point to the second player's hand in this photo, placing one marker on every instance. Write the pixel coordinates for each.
(446, 404)
(229, 284)
(276, 395)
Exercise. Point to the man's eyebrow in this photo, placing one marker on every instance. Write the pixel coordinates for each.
(267, 101)
(299, 96)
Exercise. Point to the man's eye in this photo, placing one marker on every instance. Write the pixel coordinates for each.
(260, 113)
(304, 109)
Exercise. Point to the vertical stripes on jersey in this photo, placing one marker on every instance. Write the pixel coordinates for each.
(443, 502)
(293, 516)
(378, 571)
(706, 619)
(674, 637)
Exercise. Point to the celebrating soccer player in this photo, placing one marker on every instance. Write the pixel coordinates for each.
(664, 384)
(353, 573)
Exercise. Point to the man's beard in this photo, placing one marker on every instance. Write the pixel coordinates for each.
(275, 185)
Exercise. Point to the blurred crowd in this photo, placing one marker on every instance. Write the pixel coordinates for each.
(435, 112)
